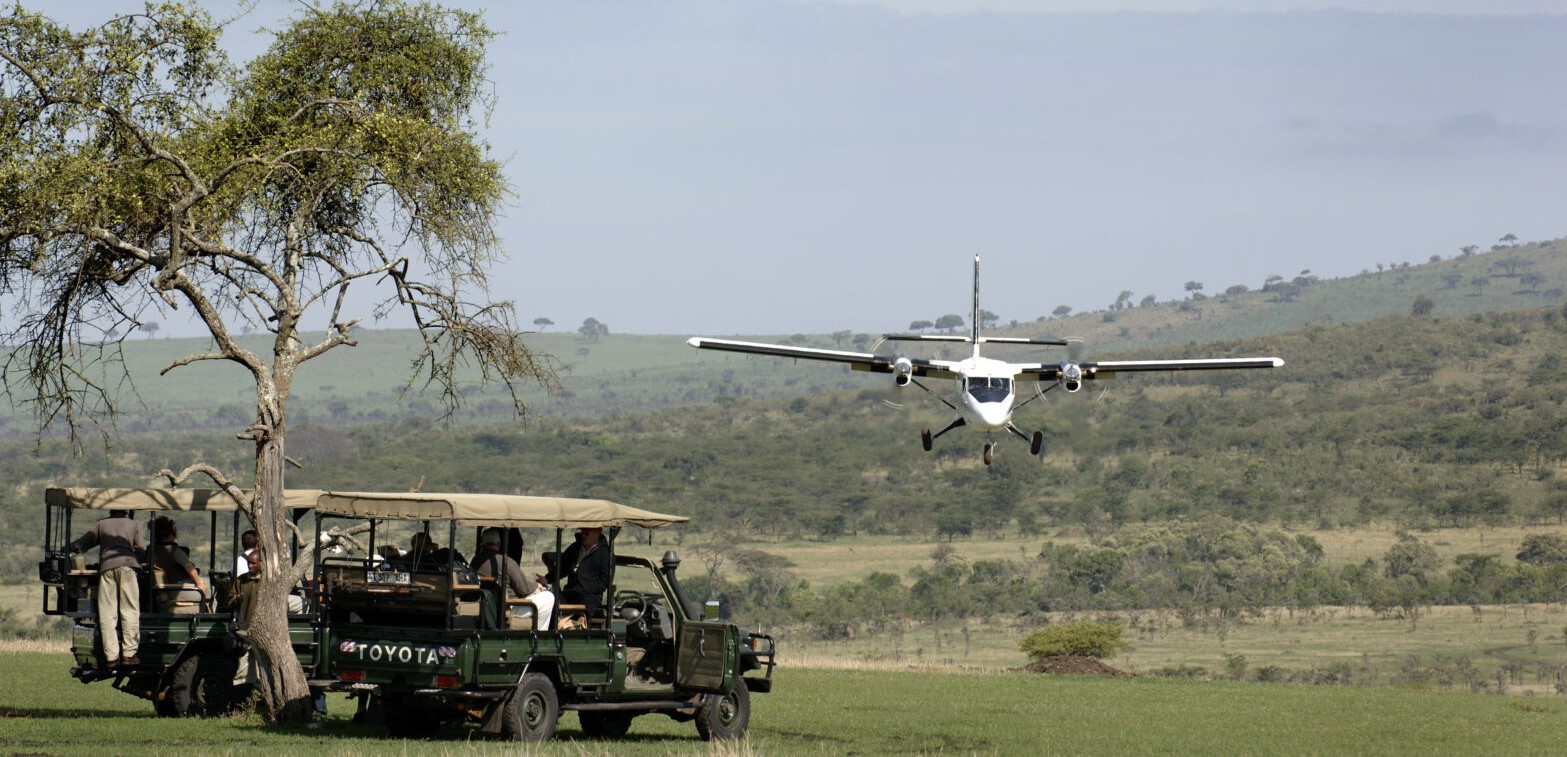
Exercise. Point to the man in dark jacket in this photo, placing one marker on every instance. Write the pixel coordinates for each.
(588, 567)
(121, 549)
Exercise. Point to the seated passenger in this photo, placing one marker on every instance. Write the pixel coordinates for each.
(248, 542)
(491, 562)
(587, 567)
(423, 553)
(244, 590)
(173, 563)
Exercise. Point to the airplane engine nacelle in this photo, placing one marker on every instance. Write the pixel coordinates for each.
(902, 371)
(1071, 377)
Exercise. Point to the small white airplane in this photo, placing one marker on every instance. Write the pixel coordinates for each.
(986, 387)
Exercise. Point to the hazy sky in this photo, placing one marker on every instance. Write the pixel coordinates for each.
(780, 166)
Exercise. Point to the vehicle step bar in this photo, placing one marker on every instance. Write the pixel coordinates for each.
(674, 704)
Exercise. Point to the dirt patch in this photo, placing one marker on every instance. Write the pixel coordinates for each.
(1073, 666)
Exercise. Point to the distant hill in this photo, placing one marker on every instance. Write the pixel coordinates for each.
(634, 373)
(1419, 420)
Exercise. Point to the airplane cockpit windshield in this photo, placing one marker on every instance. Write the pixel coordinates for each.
(989, 389)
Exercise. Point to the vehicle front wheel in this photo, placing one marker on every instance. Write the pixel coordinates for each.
(724, 716)
(533, 710)
(605, 725)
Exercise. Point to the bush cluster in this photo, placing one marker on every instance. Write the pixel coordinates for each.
(1098, 640)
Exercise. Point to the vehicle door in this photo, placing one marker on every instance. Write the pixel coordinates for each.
(705, 660)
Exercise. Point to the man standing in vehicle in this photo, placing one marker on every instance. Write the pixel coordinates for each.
(121, 550)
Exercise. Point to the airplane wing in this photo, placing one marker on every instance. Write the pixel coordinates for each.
(859, 361)
(1104, 369)
(982, 340)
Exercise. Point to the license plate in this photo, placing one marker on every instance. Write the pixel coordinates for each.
(397, 577)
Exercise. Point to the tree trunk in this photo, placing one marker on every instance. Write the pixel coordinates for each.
(285, 695)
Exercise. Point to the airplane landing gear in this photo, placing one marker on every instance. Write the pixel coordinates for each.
(1036, 446)
(925, 438)
(990, 452)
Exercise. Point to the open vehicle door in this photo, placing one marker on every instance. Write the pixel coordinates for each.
(706, 655)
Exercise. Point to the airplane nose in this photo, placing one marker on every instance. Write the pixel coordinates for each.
(989, 416)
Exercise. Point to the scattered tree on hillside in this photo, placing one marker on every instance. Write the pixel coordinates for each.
(988, 319)
(151, 327)
(920, 325)
(1423, 306)
(1194, 286)
(543, 323)
(1061, 311)
(1543, 549)
(839, 337)
(1508, 266)
(1468, 250)
(1148, 301)
(591, 329)
(143, 174)
(1122, 301)
(950, 322)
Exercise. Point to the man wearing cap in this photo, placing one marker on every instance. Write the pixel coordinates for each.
(491, 562)
(588, 567)
(121, 549)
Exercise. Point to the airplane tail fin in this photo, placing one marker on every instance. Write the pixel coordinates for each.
(974, 317)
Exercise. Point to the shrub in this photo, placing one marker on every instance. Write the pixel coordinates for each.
(1077, 639)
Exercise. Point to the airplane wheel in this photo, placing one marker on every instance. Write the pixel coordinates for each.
(1037, 445)
(990, 453)
(925, 438)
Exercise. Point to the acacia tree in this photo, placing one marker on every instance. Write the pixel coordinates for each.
(141, 173)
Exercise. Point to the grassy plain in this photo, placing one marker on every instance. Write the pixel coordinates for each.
(819, 711)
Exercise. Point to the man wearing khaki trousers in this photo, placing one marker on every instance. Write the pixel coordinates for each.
(121, 549)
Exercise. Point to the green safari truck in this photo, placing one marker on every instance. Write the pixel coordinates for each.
(425, 641)
(190, 653)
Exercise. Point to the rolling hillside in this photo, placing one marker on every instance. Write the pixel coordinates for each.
(634, 373)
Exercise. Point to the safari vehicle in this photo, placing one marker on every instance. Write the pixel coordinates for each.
(189, 651)
(428, 644)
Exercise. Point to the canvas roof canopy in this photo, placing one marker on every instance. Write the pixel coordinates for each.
(501, 510)
(191, 500)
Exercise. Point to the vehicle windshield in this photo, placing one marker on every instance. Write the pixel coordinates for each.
(989, 389)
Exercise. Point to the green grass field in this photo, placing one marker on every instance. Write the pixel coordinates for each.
(866, 711)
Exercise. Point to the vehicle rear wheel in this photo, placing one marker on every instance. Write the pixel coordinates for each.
(533, 710)
(204, 685)
(605, 725)
(724, 716)
(405, 721)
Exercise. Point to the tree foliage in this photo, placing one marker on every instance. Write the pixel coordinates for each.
(144, 174)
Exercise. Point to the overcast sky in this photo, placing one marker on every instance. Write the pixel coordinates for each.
(781, 166)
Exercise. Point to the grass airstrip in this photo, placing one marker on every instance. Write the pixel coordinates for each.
(1383, 685)
(822, 711)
